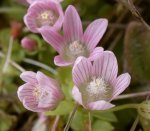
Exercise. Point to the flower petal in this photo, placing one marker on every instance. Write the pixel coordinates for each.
(29, 22)
(96, 53)
(97, 64)
(94, 33)
(53, 38)
(59, 22)
(72, 25)
(81, 71)
(109, 69)
(47, 102)
(31, 104)
(44, 81)
(28, 76)
(58, 60)
(25, 91)
(49, 84)
(121, 83)
(77, 95)
(100, 105)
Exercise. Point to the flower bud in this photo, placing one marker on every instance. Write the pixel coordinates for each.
(29, 44)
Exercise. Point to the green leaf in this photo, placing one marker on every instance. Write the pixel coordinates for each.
(65, 107)
(78, 121)
(65, 78)
(108, 116)
(101, 125)
(137, 52)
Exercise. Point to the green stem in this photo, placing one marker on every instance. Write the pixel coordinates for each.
(135, 124)
(13, 63)
(71, 118)
(8, 54)
(90, 122)
(132, 95)
(54, 128)
(41, 65)
(122, 107)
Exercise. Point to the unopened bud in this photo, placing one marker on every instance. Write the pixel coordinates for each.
(29, 44)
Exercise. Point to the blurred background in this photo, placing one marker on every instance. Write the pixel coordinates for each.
(128, 36)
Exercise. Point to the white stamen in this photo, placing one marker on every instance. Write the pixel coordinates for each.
(39, 93)
(74, 50)
(47, 17)
(99, 88)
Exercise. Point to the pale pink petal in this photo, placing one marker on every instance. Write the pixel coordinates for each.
(28, 76)
(77, 95)
(31, 104)
(47, 102)
(43, 80)
(53, 38)
(109, 66)
(72, 25)
(59, 61)
(94, 33)
(96, 53)
(121, 83)
(25, 91)
(30, 23)
(59, 22)
(82, 71)
(97, 65)
(100, 105)
(50, 85)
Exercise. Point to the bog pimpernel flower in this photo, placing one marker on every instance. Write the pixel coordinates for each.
(44, 13)
(75, 43)
(39, 93)
(96, 82)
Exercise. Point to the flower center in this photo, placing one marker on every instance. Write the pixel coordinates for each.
(74, 50)
(39, 93)
(99, 89)
(47, 17)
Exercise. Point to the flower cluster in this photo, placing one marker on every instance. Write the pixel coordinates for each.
(94, 70)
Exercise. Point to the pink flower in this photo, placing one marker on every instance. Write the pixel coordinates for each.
(29, 44)
(96, 82)
(46, 13)
(74, 43)
(40, 93)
